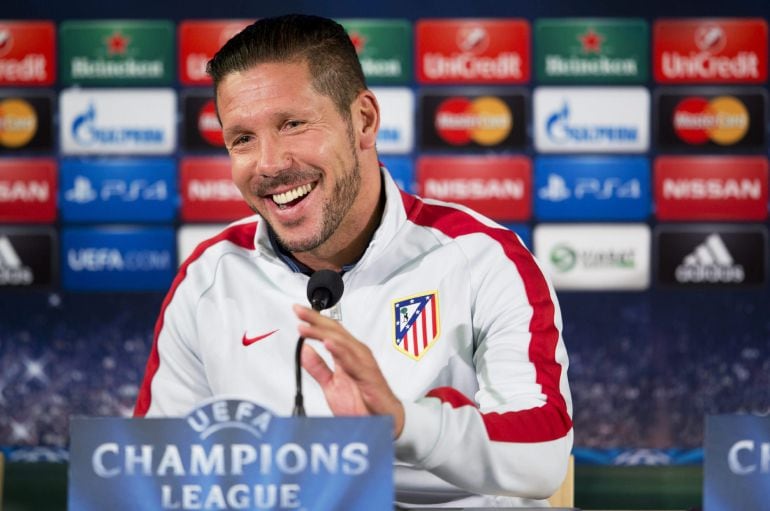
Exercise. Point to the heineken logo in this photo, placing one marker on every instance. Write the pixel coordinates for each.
(117, 52)
(591, 51)
(383, 47)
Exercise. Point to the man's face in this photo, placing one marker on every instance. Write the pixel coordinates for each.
(293, 155)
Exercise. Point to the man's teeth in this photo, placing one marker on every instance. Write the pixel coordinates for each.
(296, 193)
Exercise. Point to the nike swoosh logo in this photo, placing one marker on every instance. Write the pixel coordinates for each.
(248, 341)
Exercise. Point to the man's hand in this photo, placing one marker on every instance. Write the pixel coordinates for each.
(356, 386)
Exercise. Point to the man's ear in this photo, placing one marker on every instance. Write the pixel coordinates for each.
(366, 114)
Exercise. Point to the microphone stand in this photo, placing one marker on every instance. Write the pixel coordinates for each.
(324, 290)
(299, 402)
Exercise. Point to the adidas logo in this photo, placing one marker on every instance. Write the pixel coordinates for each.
(12, 271)
(710, 263)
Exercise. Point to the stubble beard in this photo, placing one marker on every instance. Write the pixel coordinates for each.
(335, 208)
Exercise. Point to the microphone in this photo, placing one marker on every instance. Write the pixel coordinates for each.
(324, 290)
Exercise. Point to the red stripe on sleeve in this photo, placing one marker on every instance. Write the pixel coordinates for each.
(550, 421)
(241, 235)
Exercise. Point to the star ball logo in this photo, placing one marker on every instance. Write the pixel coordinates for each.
(485, 120)
(724, 120)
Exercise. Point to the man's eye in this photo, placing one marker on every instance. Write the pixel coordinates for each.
(241, 140)
(292, 124)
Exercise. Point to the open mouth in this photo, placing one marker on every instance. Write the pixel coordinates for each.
(292, 197)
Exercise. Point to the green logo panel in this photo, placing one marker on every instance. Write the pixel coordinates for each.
(583, 50)
(116, 52)
(384, 48)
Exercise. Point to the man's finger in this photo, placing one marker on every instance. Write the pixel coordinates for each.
(315, 365)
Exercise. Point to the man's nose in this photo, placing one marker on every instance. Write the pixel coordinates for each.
(274, 155)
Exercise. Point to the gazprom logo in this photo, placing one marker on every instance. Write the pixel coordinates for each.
(591, 119)
(561, 129)
(88, 132)
(117, 121)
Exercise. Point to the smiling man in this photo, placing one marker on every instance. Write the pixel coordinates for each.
(447, 323)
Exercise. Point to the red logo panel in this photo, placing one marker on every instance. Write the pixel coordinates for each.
(473, 51)
(718, 50)
(198, 42)
(711, 187)
(28, 190)
(208, 192)
(498, 187)
(27, 53)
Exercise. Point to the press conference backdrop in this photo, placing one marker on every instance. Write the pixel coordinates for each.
(625, 142)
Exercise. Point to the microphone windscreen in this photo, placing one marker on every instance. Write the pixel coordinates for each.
(328, 280)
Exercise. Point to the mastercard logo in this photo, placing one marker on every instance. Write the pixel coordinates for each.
(723, 120)
(485, 120)
(18, 122)
(208, 125)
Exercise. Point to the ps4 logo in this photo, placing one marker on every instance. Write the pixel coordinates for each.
(84, 192)
(557, 190)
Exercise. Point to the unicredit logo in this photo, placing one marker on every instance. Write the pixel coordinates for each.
(6, 41)
(87, 132)
(468, 66)
(710, 38)
(706, 61)
(473, 39)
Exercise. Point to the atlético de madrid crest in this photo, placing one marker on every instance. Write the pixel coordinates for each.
(416, 324)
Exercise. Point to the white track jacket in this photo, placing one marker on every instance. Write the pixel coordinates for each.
(464, 325)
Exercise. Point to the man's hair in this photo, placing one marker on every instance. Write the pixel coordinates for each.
(335, 70)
